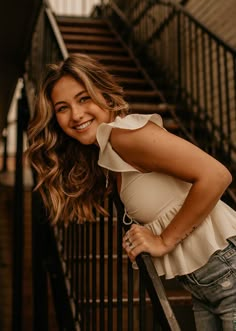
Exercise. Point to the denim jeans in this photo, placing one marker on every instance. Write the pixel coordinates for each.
(213, 289)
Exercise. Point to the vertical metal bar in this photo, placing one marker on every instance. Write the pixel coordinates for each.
(94, 274)
(197, 79)
(119, 275)
(110, 265)
(191, 61)
(67, 251)
(221, 124)
(211, 77)
(205, 94)
(184, 61)
(102, 281)
(62, 304)
(102, 6)
(142, 305)
(234, 79)
(130, 297)
(179, 45)
(87, 275)
(203, 48)
(82, 279)
(190, 54)
(227, 102)
(39, 272)
(77, 312)
(4, 161)
(72, 260)
(18, 225)
(63, 241)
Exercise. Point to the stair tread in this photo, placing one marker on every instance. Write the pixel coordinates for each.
(120, 68)
(151, 107)
(178, 294)
(73, 30)
(94, 47)
(89, 38)
(150, 93)
(130, 79)
(110, 57)
(65, 20)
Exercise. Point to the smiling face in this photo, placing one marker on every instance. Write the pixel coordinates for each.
(76, 113)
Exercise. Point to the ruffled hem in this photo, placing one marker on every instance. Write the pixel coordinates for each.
(108, 158)
(196, 249)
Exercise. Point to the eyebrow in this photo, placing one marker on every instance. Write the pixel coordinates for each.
(76, 96)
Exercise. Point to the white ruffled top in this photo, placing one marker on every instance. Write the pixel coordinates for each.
(154, 198)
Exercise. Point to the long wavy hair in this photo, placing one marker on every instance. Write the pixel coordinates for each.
(68, 177)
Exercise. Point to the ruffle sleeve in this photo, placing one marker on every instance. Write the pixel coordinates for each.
(108, 158)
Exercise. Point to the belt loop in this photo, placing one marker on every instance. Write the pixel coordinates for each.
(232, 240)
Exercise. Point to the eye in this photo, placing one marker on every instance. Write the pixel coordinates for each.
(61, 109)
(84, 99)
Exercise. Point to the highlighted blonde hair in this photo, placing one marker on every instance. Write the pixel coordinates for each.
(68, 177)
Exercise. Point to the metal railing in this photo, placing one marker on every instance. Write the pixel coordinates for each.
(47, 47)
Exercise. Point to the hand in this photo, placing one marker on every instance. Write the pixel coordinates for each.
(140, 239)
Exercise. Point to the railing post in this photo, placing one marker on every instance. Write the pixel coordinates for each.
(179, 69)
(18, 222)
(4, 161)
(39, 272)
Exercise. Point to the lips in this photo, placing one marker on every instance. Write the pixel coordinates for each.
(83, 125)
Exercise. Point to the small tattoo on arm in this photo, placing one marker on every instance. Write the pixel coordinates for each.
(188, 233)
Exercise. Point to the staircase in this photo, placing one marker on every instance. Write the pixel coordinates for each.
(97, 39)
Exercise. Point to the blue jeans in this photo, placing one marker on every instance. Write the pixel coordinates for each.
(213, 289)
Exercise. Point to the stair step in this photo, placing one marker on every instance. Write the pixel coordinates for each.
(78, 38)
(111, 59)
(135, 93)
(142, 96)
(93, 48)
(76, 29)
(127, 82)
(151, 107)
(119, 70)
(81, 21)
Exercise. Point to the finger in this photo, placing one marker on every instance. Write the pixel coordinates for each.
(137, 249)
(127, 235)
(129, 246)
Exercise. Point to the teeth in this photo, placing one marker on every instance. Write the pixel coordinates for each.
(83, 126)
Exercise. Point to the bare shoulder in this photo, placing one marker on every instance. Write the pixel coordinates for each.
(134, 144)
(131, 138)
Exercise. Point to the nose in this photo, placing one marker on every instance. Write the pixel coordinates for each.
(76, 113)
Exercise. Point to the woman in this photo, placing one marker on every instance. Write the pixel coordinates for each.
(82, 142)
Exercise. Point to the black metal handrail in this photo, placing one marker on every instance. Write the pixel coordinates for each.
(199, 70)
(47, 47)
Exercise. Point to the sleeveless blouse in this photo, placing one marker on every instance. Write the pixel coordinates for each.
(154, 198)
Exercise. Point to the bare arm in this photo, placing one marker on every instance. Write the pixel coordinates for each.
(153, 149)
